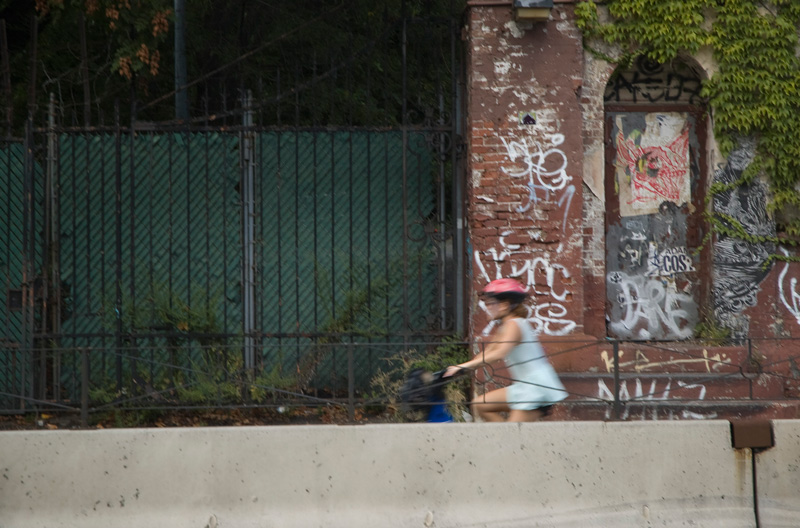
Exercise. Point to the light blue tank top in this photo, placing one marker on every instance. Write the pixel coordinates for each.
(534, 381)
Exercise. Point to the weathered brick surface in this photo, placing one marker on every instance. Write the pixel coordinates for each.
(537, 211)
(525, 191)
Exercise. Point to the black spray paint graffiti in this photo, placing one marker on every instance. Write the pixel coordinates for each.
(739, 265)
(650, 82)
(640, 236)
(668, 262)
(634, 241)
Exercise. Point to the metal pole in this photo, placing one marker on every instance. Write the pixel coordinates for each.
(118, 244)
(28, 241)
(38, 380)
(457, 199)
(248, 230)
(50, 308)
(53, 224)
(32, 86)
(750, 365)
(617, 403)
(84, 388)
(405, 173)
(87, 94)
(181, 75)
(6, 78)
(351, 385)
(443, 239)
(134, 350)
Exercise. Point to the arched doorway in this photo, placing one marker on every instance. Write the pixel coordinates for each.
(655, 181)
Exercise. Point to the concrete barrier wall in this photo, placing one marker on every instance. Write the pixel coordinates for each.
(581, 474)
(778, 477)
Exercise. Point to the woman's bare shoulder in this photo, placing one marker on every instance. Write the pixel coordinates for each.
(510, 329)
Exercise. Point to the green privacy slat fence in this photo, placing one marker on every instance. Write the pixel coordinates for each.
(13, 368)
(159, 230)
(152, 248)
(21, 214)
(334, 256)
(143, 238)
(12, 163)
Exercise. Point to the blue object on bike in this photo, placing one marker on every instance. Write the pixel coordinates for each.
(425, 390)
(438, 412)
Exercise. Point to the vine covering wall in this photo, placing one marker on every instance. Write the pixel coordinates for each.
(753, 94)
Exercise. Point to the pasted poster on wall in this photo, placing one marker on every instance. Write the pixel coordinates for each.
(652, 272)
(668, 262)
(652, 164)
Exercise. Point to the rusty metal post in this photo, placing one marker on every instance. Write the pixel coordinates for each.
(84, 388)
(750, 365)
(30, 382)
(617, 403)
(51, 283)
(351, 385)
(248, 170)
(118, 246)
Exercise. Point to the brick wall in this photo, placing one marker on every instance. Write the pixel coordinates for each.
(525, 188)
(537, 211)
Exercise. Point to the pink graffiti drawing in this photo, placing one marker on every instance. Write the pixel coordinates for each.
(657, 172)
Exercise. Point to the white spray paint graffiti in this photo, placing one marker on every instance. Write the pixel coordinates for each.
(543, 278)
(686, 391)
(545, 170)
(646, 307)
(790, 298)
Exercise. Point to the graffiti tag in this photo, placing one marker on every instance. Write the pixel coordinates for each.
(685, 391)
(545, 171)
(647, 308)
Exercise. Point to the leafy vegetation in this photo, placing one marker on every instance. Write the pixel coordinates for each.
(754, 92)
(190, 361)
(308, 62)
(710, 330)
(386, 384)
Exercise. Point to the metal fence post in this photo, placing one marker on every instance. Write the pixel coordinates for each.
(617, 403)
(51, 283)
(351, 385)
(248, 235)
(29, 373)
(750, 365)
(118, 246)
(84, 388)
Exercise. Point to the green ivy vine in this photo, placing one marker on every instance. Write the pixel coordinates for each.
(755, 92)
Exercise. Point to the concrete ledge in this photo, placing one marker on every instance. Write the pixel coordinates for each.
(778, 477)
(582, 474)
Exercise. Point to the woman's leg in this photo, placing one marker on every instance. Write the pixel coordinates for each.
(517, 415)
(489, 406)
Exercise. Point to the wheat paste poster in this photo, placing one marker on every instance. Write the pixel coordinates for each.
(652, 163)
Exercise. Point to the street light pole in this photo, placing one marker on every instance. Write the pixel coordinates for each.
(181, 99)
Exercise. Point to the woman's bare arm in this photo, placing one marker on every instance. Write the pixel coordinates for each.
(508, 336)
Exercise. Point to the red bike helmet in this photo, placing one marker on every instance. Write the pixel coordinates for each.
(506, 290)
